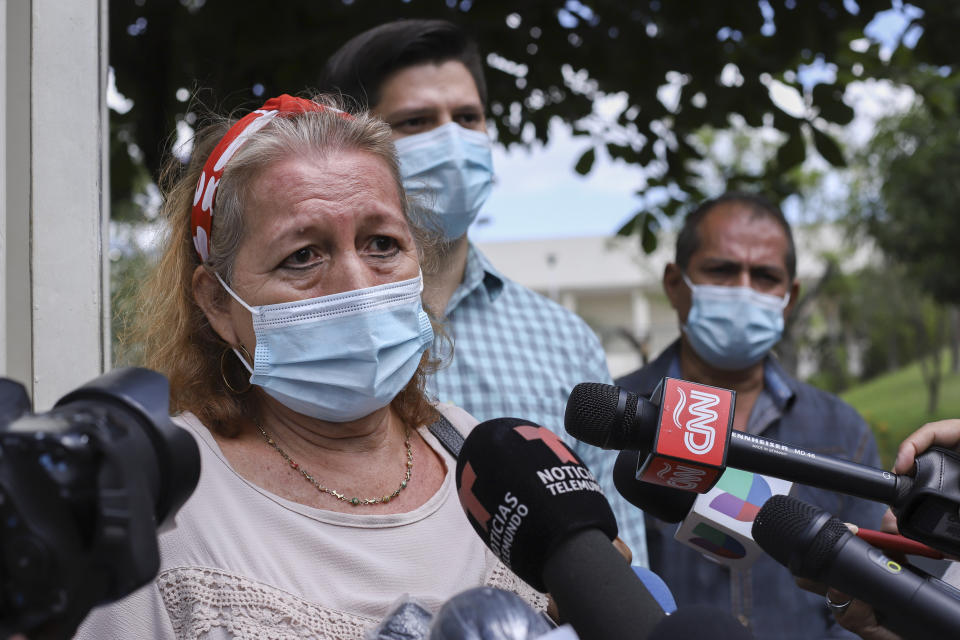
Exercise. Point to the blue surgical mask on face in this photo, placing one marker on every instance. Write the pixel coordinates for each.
(340, 357)
(449, 172)
(732, 328)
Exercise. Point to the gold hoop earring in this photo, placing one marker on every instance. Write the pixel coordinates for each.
(223, 369)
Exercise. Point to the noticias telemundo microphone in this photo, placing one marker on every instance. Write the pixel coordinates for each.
(540, 510)
(536, 506)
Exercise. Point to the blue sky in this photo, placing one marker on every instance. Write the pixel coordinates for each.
(537, 193)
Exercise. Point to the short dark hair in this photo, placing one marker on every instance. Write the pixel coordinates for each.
(688, 240)
(358, 68)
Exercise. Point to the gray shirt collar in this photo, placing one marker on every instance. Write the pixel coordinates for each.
(776, 396)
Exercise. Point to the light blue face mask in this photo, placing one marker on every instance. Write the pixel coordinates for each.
(343, 356)
(732, 328)
(449, 172)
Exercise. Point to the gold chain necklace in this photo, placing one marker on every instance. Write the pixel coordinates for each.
(336, 494)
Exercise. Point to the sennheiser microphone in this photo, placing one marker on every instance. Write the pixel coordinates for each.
(612, 418)
(926, 503)
(541, 511)
(814, 545)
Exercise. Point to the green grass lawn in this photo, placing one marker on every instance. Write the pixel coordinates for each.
(895, 404)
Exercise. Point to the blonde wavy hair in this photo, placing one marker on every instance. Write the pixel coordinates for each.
(172, 331)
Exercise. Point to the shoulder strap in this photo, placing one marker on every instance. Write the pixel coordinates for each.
(447, 434)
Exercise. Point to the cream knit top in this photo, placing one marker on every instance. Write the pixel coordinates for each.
(245, 563)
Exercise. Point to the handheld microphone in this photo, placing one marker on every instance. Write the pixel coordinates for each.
(540, 510)
(486, 612)
(814, 545)
(612, 418)
(927, 504)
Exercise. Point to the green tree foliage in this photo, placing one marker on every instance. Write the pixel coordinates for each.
(546, 58)
(127, 273)
(873, 321)
(910, 197)
(906, 197)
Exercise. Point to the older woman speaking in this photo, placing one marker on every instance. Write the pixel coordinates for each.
(286, 311)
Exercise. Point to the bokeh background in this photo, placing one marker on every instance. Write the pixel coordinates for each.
(612, 119)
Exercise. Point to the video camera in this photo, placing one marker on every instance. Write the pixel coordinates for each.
(83, 489)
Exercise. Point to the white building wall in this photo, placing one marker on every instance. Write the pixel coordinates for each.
(613, 285)
(54, 301)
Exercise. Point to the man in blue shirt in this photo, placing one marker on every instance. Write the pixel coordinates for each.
(732, 285)
(516, 353)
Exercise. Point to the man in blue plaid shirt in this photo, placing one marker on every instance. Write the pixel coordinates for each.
(516, 353)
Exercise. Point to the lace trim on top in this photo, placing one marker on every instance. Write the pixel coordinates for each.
(199, 600)
(502, 577)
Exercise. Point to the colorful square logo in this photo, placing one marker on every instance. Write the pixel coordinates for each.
(717, 542)
(743, 494)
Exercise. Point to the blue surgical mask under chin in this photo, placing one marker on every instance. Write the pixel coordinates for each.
(449, 172)
(340, 357)
(732, 328)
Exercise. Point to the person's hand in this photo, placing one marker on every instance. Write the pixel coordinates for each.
(888, 523)
(624, 550)
(857, 616)
(943, 433)
(851, 614)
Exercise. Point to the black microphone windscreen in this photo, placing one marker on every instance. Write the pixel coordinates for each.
(524, 492)
(609, 417)
(815, 545)
(662, 502)
(486, 613)
(591, 413)
(797, 535)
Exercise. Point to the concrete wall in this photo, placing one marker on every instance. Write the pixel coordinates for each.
(613, 285)
(53, 301)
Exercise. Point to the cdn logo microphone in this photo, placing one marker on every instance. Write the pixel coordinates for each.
(693, 435)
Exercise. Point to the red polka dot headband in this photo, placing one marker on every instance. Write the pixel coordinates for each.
(201, 217)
